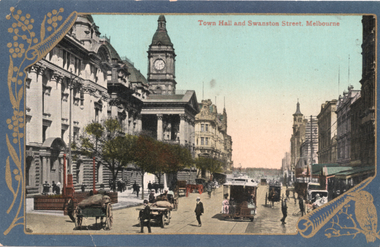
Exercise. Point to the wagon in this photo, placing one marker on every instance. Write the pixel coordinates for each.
(242, 199)
(158, 215)
(98, 206)
(161, 216)
(274, 193)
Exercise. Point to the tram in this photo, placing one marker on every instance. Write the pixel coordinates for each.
(239, 199)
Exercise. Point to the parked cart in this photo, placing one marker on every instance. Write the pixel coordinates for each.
(98, 206)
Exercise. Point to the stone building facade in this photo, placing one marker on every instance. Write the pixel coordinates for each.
(309, 147)
(363, 119)
(211, 138)
(327, 126)
(343, 112)
(81, 80)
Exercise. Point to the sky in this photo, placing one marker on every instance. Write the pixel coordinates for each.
(257, 72)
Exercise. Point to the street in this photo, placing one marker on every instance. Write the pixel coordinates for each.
(125, 220)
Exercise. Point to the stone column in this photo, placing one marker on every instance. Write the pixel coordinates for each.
(159, 127)
(182, 130)
(139, 123)
(55, 107)
(34, 105)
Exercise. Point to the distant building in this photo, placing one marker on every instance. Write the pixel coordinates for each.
(211, 138)
(309, 147)
(344, 116)
(327, 126)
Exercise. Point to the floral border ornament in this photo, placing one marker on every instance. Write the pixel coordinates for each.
(23, 54)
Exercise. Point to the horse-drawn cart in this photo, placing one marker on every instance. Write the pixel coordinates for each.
(98, 206)
(274, 193)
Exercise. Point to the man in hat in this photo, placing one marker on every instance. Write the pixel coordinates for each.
(145, 216)
(199, 211)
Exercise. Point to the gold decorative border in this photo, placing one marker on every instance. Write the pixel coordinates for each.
(365, 215)
(22, 49)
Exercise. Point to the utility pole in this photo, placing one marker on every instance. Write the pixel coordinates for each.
(311, 147)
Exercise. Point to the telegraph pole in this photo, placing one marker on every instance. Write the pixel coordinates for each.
(311, 147)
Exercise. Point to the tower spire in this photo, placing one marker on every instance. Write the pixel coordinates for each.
(298, 111)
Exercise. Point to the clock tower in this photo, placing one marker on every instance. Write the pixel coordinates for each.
(161, 57)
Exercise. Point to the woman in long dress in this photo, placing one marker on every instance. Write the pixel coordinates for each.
(226, 205)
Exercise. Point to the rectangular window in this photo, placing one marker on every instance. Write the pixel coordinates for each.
(64, 58)
(206, 127)
(202, 141)
(202, 127)
(68, 60)
(96, 115)
(206, 140)
(62, 133)
(44, 133)
(81, 98)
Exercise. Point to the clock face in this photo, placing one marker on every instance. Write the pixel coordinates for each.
(159, 64)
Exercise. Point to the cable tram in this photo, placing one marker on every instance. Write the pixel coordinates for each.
(239, 199)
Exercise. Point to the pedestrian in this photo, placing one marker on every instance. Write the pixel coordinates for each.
(137, 189)
(301, 204)
(152, 198)
(70, 208)
(226, 204)
(53, 187)
(287, 193)
(199, 211)
(83, 187)
(58, 188)
(284, 209)
(232, 208)
(145, 217)
(150, 187)
(46, 188)
(209, 189)
(134, 187)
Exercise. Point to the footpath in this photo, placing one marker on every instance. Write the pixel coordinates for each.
(126, 199)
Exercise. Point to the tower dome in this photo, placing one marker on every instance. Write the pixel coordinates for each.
(161, 36)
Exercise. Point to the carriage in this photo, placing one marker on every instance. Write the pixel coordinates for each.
(98, 206)
(242, 199)
(274, 193)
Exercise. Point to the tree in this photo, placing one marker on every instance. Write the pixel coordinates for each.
(108, 145)
(209, 164)
(146, 156)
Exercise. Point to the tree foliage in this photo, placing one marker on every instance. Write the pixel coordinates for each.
(209, 164)
(108, 145)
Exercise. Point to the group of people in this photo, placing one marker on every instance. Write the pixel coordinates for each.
(56, 188)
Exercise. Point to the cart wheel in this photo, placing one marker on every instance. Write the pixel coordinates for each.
(167, 220)
(175, 204)
(109, 217)
(162, 221)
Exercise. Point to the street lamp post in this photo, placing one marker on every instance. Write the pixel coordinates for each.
(69, 190)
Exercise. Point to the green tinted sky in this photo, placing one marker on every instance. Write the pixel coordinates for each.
(261, 71)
